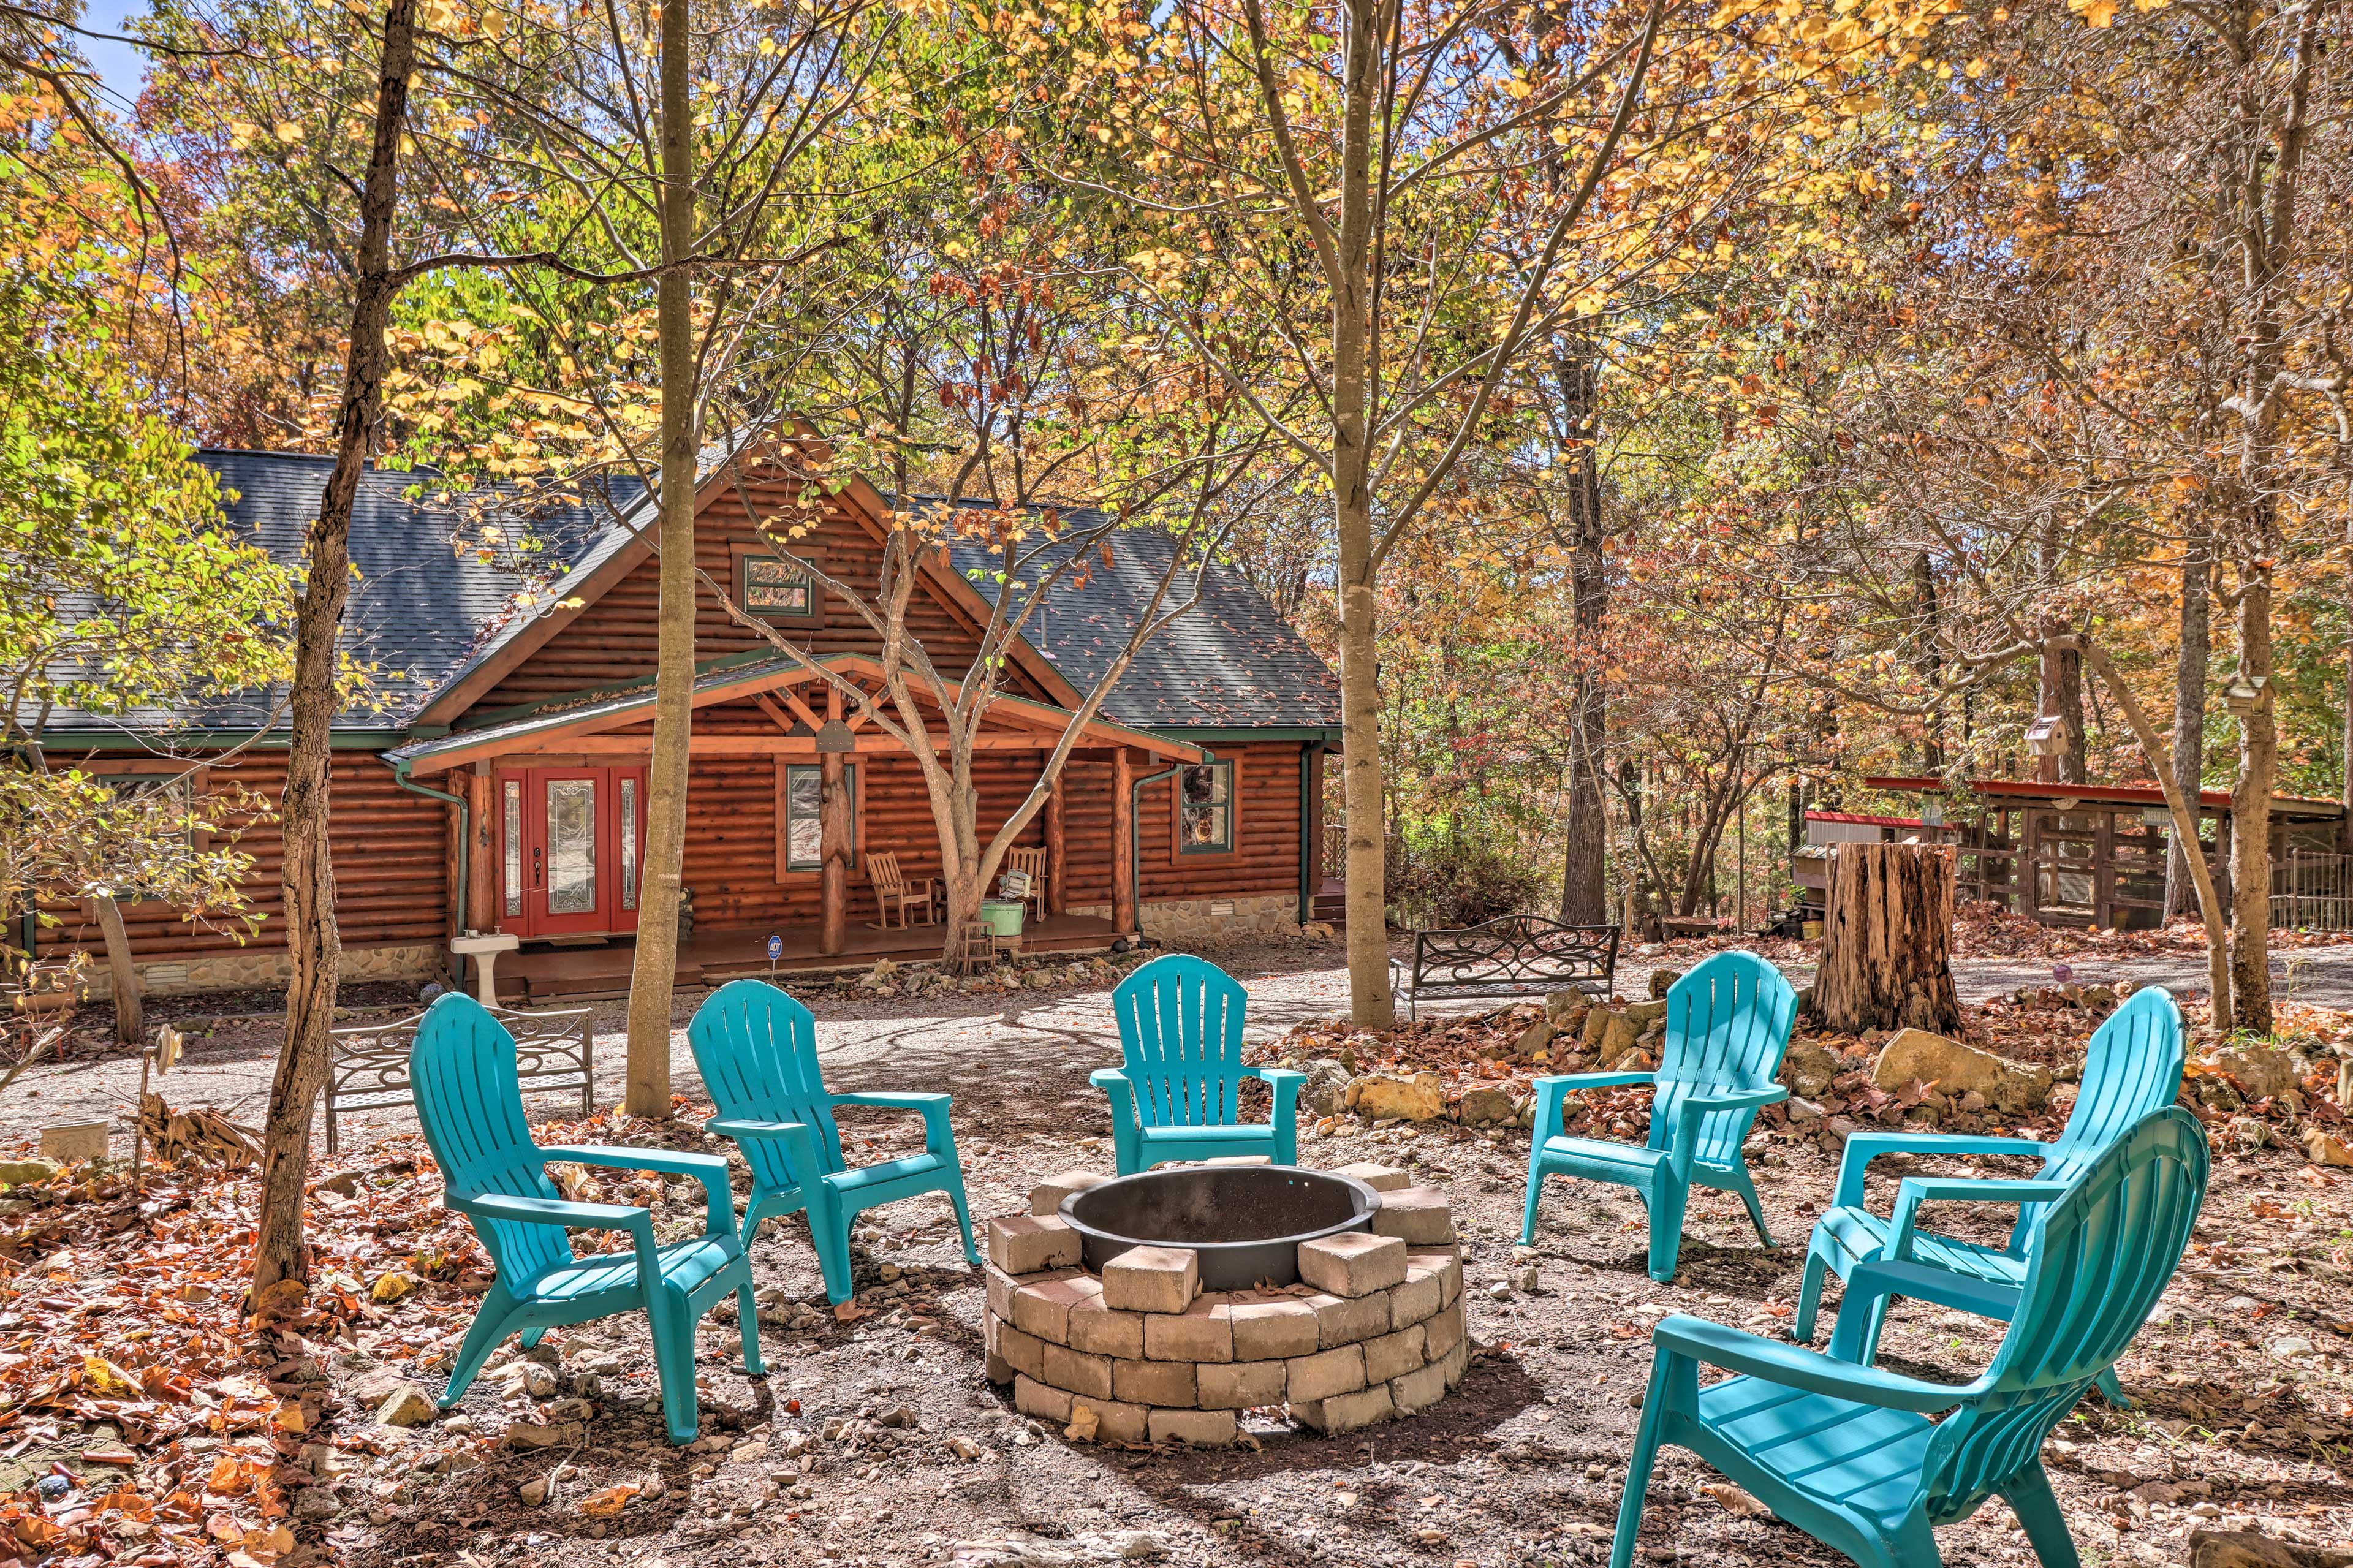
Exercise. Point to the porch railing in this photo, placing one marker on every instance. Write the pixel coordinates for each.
(2311, 891)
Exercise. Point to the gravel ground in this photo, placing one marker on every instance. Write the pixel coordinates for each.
(901, 1453)
(980, 1044)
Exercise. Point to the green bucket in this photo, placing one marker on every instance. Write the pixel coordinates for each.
(1003, 915)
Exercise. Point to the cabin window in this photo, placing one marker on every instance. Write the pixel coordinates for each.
(803, 826)
(512, 808)
(1204, 809)
(775, 588)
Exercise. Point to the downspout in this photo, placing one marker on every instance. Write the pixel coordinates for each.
(465, 833)
(1310, 850)
(1135, 833)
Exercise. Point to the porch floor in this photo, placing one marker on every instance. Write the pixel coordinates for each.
(539, 973)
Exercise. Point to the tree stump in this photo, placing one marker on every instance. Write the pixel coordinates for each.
(1887, 939)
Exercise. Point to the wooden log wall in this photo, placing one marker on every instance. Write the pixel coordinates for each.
(1265, 858)
(613, 639)
(731, 826)
(392, 854)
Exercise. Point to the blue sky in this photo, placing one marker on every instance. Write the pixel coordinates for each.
(119, 65)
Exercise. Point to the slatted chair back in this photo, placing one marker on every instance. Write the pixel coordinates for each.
(2132, 1067)
(1727, 1024)
(757, 1049)
(2102, 1255)
(470, 1102)
(882, 871)
(1180, 1028)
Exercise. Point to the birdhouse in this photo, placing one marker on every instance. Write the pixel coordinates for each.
(2046, 736)
(2245, 693)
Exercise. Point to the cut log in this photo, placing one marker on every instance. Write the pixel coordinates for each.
(1887, 938)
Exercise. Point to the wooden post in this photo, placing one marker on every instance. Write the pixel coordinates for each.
(453, 897)
(483, 862)
(1887, 933)
(833, 837)
(1057, 896)
(1122, 844)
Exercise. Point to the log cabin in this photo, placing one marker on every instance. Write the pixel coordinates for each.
(490, 779)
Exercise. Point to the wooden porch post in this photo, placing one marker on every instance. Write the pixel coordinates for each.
(1122, 844)
(833, 837)
(1057, 897)
(482, 856)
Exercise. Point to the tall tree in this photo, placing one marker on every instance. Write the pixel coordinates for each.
(280, 1268)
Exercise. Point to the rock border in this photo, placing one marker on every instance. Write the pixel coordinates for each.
(1374, 1331)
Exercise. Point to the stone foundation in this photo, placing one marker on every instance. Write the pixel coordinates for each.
(1140, 1354)
(1197, 920)
(246, 970)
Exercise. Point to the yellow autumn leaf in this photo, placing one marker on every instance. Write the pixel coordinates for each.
(103, 1378)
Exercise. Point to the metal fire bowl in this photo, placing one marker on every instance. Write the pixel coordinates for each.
(1245, 1222)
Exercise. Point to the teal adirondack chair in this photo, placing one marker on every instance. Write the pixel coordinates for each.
(2132, 1067)
(1179, 1096)
(756, 1048)
(1727, 1024)
(467, 1096)
(1847, 1453)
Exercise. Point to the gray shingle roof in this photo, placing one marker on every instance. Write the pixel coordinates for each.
(1229, 663)
(425, 614)
(419, 611)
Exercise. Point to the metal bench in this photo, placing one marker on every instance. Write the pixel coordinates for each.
(1513, 955)
(554, 1050)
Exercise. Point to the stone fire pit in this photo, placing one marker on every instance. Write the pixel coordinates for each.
(1104, 1315)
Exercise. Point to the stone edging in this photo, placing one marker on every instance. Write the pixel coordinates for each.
(1375, 1330)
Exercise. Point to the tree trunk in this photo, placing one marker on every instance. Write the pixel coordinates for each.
(122, 973)
(1887, 935)
(1584, 897)
(2250, 817)
(1122, 845)
(307, 874)
(654, 973)
(2189, 711)
(1932, 663)
(1369, 1003)
(2063, 694)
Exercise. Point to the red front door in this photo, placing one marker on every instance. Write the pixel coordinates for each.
(572, 842)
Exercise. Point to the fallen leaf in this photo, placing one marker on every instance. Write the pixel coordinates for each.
(1738, 1503)
(607, 1504)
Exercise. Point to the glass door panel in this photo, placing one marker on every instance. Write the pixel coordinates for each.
(571, 853)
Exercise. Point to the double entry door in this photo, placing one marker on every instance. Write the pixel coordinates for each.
(572, 849)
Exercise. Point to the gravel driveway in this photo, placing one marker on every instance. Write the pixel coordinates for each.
(1025, 1055)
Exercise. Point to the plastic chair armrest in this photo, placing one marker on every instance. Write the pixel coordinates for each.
(1870, 1283)
(710, 1170)
(1554, 1088)
(1286, 1082)
(553, 1211)
(799, 1142)
(1864, 1147)
(937, 1138)
(1793, 1366)
(1688, 1113)
(1585, 1080)
(1917, 1190)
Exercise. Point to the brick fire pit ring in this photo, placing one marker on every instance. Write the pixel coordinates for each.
(1138, 1349)
(1243, 1224)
